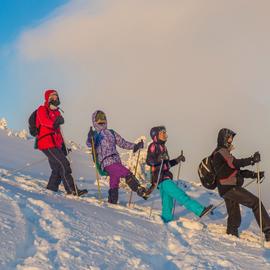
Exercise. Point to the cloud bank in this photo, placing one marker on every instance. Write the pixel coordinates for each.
(190, 65)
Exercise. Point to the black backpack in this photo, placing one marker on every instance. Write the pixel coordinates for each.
(207, 174)
(33, 130)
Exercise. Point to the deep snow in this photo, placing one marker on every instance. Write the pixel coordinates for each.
(43, 230)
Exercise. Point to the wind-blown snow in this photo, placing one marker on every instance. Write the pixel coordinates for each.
(43, 230)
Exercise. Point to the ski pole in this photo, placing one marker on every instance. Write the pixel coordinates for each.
(135, 172)
(95, 161)
(260, 201)
(178, 176)
(158, 180)
(22, 168)
(69, 159)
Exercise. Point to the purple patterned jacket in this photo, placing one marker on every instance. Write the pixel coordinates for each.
(106, 148)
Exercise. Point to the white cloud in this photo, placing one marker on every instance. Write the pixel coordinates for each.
(194, 66)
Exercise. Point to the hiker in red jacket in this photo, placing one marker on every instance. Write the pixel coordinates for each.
(50, 141)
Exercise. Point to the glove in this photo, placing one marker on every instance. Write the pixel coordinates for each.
(256, 158)
(138, 146)
(255, 175)
(58, 121)
(250, 174)
(180, 158)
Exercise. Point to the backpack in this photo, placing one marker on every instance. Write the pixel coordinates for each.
(98, 164)
(33, 130)
(207, 173)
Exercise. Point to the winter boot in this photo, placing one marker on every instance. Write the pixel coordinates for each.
(206, 210)
(113, 195)
(79, 191)
(135, 186)
(233, 231)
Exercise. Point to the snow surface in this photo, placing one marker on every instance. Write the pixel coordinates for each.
(43, 230)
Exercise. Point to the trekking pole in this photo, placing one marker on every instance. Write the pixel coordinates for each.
(260, 201)
(178, 176)
(20, 169)
(135, 172)
(69, 159)
(95, 161)
(158, 180)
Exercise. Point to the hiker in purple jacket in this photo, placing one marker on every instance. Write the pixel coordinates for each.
(107, 156)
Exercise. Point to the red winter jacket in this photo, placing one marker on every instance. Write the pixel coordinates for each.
(48, 136)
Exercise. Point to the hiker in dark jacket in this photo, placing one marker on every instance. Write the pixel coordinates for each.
(162, 178)
(109, 159)
(230, 179)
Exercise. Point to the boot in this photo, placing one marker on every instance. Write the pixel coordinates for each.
(135, 186)
(113, 195)
(233, 231)
(142, 192)
(79, 191)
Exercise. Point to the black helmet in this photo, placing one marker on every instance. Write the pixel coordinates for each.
(223, 137)
(155, 130)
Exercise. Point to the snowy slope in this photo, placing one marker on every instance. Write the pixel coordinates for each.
(43, 230)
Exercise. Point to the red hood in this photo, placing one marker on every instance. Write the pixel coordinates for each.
(47, 95)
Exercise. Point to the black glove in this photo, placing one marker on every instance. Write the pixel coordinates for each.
(256, 158)
(180, 158)
(138, 146)
(260, 173)
(58, 121)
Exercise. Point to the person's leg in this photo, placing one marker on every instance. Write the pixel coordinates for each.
(182, 198)
(167, 204)
(242, 196)
(115, 172)
(55, 178)
(63, 168)
(234, 217)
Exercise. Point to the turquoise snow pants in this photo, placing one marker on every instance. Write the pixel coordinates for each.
(169, 191)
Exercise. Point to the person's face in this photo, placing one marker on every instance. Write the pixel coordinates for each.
(230, 140)
(53, 96)
(162, 135)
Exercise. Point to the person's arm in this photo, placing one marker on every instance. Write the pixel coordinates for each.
(243, 162)
(121, 142)
(233, 162)
(89, 139)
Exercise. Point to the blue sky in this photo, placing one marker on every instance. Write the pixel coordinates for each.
(17, 16)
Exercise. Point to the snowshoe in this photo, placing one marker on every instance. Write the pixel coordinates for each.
(80, 192)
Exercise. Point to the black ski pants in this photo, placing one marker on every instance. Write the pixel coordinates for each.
(61, 170)
(236, 196)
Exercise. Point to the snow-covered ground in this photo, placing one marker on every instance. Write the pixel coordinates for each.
(43, 230)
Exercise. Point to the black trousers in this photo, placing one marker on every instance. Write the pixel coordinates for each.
(239, 195)
(61, 170)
